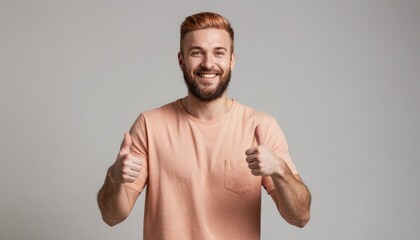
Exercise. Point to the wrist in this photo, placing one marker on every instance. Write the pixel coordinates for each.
(281, 169)
(111, 178)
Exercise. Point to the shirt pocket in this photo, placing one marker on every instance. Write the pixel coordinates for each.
(238, 177)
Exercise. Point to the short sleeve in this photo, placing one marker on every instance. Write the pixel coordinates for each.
(139, 147)
(278, 142)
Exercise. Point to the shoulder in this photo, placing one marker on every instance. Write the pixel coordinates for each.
(253, 115)
(169, 113)
(167, 110)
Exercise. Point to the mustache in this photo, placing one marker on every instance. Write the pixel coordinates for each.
(205, 71)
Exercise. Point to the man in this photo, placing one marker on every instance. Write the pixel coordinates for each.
(204, 157)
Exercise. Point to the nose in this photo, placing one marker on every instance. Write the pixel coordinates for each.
(208, 62)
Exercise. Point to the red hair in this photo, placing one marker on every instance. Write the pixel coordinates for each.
(205, 20)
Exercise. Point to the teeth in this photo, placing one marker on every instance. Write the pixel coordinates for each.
(207, 75)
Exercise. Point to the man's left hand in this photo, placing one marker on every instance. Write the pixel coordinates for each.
(262, 160)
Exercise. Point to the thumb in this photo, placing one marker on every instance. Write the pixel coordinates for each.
(126, 144)
(258, 135)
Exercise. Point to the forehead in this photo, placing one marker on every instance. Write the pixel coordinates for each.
(208, 38)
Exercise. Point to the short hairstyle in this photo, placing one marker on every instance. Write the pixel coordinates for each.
(205, 20)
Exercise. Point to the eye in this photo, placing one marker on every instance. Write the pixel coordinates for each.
(195, 53)
(220, 53)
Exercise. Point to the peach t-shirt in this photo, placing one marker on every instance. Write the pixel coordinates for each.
(198, 183)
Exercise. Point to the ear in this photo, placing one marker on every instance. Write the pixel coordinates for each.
(232, 61)
(180, 60)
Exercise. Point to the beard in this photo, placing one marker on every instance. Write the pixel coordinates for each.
(201, 93)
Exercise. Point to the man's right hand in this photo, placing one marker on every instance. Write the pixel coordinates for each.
(127, 167)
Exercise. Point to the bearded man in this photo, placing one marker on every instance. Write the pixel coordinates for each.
(204, 157)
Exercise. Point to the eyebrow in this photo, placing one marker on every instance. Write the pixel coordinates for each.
(200, 48)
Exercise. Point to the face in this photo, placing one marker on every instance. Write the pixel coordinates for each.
(206, 61)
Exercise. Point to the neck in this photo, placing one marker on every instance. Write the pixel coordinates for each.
(208, 111)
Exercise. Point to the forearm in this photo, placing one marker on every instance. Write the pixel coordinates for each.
(292, 198)
(113, 202)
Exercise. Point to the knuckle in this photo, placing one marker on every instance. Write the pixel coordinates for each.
(126, 163)
(130, 180)
(125, 170)
(138, 161)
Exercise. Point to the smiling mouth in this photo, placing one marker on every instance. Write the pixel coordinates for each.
(207, 75)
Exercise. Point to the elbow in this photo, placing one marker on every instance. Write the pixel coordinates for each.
(112, 219)
(301, 221)
(112, 222)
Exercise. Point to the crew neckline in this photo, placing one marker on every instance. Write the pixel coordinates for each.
(195, 119)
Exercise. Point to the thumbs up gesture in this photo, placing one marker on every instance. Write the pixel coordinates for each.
(261, 159)
(127, 167)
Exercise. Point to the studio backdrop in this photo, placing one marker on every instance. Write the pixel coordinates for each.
(341, 78)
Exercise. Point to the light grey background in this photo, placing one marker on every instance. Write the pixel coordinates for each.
(341, 77)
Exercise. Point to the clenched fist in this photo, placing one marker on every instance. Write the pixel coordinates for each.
(262, 160)
(127, 167)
